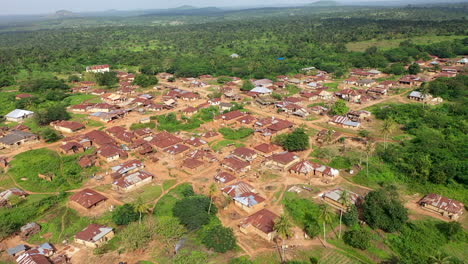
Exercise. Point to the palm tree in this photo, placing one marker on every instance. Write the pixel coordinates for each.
(345, 200)
(326, 217)
(141, 207)
(212, 191)
(387, 128)
(283, 230)
(440, 258)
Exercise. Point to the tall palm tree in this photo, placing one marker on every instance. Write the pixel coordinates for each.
(283, 230)
(141, 208)
(387, 128)
(345, 200)
(212, 191)
(326, 217)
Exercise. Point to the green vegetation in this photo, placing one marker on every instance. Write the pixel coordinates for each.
(298, 140)
(108, 79)
(145, 80)
(339, 108)
(124, 215)
(220, 239)
(192, 211)
(66, 172)
(357, 238)
(136, 126)
(236, 134)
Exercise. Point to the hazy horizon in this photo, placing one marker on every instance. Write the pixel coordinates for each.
(29, 7)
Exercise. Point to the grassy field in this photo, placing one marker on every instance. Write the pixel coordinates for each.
(216, 146)
(393, 43)
(147, 194)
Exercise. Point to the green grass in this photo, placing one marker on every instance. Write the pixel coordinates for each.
(166, 203)
(217, 146)
(146, 193)
(168, 184)
(67, 173)
(80, 98)
(333, 256)
(60, 224)
(394, 43)
(292, 90)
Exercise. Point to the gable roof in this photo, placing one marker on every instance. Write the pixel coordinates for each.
(237, 189)
(87, 198)
(263, 220)
(93, 233)
(443, 203)
(19, 113)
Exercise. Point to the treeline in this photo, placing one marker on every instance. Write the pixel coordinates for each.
(191, 50)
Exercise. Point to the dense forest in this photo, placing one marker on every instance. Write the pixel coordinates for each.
(191, 50)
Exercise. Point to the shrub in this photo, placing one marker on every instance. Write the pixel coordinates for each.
(339, 108)
(192, 211)
(145, 80)
(107, 78)
(357, 238)
(50, 135)
(219, 238)
(350, 218)
(125, 214)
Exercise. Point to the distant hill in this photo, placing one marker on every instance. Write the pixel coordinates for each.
(63, 14)
(324, 3)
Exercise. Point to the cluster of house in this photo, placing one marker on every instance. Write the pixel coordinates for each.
(6, 195)
(16, 136)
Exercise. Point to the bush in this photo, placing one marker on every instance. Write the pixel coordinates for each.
(357, 239)
(145, 80)
(43, 84)
(136, 126)
(107, 78)
(339, 108)
(136, 235)
(51, 113)
(298, 140)
(50, 135)
(383, 210)
(223, 80)
(241, 260)
(450, 229)
(247, 86)
(312, 227)
(192, 211)
(219, 238)
(125, 214)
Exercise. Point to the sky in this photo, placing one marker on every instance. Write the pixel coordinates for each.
(15, 7)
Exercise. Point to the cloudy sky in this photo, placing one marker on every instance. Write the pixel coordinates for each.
(50, 6)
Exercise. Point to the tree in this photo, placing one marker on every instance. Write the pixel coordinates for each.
(192, 211)
(339, 108)
(6, 81)
(107, 78)
(50, 135)
(141, 208)
(440, 258)
(363, 133)
(283, 228)
(296, 141)
(312, 227)
(219, 238)
(414, 69)
(74, 78)
(52, 113)
(387, 128)
(145, 80)
(247, 86)
(326, 215)
(125, 214)
(351, 217)
(169, 230)
(345, 200)
(149, 70)
(136, 236)
(382, 209)
(39, 85)
(358, 239)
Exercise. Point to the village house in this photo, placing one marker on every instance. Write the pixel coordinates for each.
(17, 138)
(261, 223)
(446, 207)
(4, 162)
(37, 255)
(262, 83)
(88, 198)
(102, 107)
(282, 161)
(71, 147)
(230, 116)
(236, 165)
(195, 142)
(350, 95)
(359, 115)
(29, 230)
(418, 96)
(365, 82)
(132, 181)
(266, 149)
(192, 164)
(237, 189)
(325, 95)
(249, 201)
(6, 195)
(98, 68)
(202, 154)
(18, 115)
(127, 167)
(328, 136)
(100, 138)
(260, 90)
(247, 119)
(84, 107)
(410, 80)
(211, 135)
(377, 91)
(17, 250)
(94, 235)
(67, 126)
(165, 139)
(224, 177)
(343, 121)
(335, 198)
(176, 151)
(302, 167)
(245, 154)
(111, 152)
